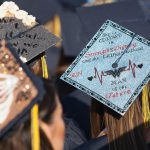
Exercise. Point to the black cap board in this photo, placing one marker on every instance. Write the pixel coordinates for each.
(79, 26)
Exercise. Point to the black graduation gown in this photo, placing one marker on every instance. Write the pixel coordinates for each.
(100, 143)
(74, 135)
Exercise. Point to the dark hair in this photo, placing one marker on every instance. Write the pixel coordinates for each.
(49, 103)
(124, 133)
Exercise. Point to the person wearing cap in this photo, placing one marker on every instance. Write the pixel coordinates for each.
(16, 126)
(104, 78)
(50, 121)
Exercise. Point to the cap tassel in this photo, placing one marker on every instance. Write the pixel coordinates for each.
(34, 114)
(35, 128)
(44, 67)
(145, 106)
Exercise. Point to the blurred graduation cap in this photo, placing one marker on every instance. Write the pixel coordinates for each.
(79, 26)
(118, 68)
(16, 84)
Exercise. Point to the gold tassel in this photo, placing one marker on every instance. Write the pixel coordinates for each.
(35, 128)
(44, 67)
(34, 114)
(145, 106)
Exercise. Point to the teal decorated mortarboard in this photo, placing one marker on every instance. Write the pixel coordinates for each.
(113, 67)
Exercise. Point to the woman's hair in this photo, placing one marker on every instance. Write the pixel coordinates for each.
(49, 103)
(123, 132)
(20, 137)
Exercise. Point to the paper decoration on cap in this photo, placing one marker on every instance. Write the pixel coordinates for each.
(13, 20)
(19, 90)
(33, 42)
(113, 67)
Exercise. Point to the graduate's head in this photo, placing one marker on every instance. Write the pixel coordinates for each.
(20, 92)
(50, 122)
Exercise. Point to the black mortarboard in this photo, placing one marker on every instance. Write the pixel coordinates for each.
(21, 29)
(33, 42)
(16, 82)
(79, 26)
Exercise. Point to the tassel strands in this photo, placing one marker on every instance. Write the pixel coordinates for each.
(35, 128)
(35, 111)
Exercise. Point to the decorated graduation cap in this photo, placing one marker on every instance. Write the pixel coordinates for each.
(23, 31)
(113, 67)
(19, 89)
(85, 22)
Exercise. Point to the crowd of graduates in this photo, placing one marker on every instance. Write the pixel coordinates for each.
(69, 119)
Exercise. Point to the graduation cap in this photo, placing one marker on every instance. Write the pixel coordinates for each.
(78, 27)
(113, 67)
(26, 35)
(16, 84)
(33, 42)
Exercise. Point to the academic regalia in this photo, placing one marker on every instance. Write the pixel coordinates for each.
(79, 26)
(74, 136)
